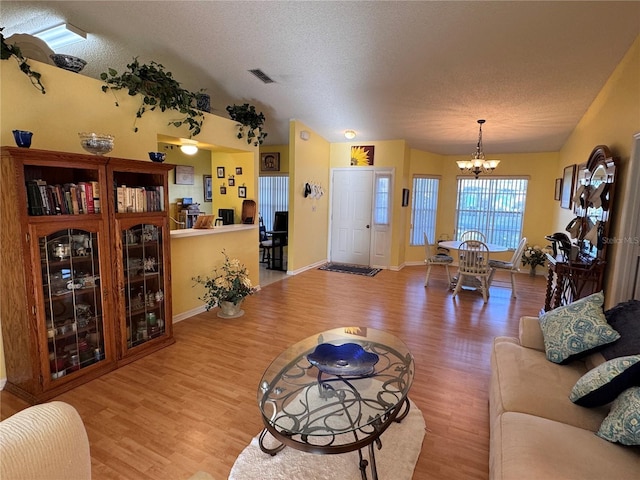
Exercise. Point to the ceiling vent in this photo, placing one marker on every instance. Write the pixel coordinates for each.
(263, 77)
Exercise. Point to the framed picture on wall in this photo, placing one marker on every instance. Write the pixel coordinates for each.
(567, 186)
(558, 191)
(184, 174)
(405, 197)
(232, 181)
(223, 190)
(270, 162)
(220, 172)
(242, 192)
(238, 170)
(208, 188)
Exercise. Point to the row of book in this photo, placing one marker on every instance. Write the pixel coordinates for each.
(139, 199)
(62, 199)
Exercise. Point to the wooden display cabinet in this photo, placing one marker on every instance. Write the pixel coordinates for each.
(142, 273)
(61, 306)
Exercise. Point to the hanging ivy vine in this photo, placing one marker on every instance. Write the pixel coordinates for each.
(159, 90)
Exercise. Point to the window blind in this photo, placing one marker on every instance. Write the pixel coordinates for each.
(423, 209)
(273, 197)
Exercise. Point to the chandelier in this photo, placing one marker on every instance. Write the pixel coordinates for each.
(478, 164)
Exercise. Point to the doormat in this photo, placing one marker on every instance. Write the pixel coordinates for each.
(354, 269)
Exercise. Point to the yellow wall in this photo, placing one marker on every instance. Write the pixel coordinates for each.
(201, 163)
(612, 119)
(58, 116)
(247, 179)
(199, 255)
(308, 218)
(283, 150)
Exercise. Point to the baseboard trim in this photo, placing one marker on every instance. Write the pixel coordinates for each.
(307, 267)
(189, 313)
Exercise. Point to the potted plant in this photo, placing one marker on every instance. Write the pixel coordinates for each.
(159, 90)
(250, 122)
(7, 51)
(534, 256)
(226, 287)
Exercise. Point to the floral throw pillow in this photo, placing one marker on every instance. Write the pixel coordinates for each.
(605, 382)
(622, 425)
(574, 330)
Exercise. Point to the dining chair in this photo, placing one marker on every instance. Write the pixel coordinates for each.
(264, 242)
(473, 267)
(512, 266)
(473, 235)
(432, 259)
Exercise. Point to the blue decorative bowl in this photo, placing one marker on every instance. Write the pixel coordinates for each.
(22, 138)
(157, 156)
(347, 359)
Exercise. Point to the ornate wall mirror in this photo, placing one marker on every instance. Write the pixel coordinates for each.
(594, 206)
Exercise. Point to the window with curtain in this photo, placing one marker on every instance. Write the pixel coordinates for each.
(424, 207)
(494, 206)
(273, 197)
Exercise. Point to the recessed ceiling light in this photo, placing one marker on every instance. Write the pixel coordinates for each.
(61, 35)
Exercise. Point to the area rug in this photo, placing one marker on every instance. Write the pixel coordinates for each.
(401, 445)
(346, 268)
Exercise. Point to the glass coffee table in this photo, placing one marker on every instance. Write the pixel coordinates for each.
(336, 392)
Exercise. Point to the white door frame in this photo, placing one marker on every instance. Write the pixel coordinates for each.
(374, 234)
(625, 274)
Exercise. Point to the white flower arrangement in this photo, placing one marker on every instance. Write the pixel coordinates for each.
(228, 283)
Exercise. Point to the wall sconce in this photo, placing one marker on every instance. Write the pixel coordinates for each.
(61, 36)
(188, 147)
(349, 134)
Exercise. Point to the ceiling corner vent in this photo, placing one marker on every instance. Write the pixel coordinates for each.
(263, 77)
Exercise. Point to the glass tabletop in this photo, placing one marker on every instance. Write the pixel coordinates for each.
(337, 382)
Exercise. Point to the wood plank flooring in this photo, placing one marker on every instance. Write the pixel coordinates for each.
(193, 406)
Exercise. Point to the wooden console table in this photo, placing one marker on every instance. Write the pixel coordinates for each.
(569, 281)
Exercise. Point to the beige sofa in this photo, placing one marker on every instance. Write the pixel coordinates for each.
(536, 431)
(44, 442)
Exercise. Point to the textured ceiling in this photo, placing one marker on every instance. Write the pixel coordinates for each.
(420, 71)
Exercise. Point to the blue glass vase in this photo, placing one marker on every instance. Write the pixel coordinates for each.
(22, 138)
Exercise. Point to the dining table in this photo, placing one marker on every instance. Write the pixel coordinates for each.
(455, 245)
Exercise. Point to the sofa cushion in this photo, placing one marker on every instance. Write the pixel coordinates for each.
(573, 330)
(528, 447)
(605, 382)
(625, 319)
(622, 425)
(523, 380)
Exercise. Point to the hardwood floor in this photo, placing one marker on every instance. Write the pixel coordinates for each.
(192, 406)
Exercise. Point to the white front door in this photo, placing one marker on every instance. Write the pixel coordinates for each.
(352, 192)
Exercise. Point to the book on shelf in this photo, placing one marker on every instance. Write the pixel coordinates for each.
(139, 199)
(65, 199)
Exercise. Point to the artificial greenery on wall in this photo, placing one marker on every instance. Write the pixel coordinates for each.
(7, 51)
(251, 122)
(159, 90)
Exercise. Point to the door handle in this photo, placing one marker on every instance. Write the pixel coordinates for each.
(367, 226)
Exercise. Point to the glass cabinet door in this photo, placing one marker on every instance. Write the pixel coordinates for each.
(69, 262)
(143, 264)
